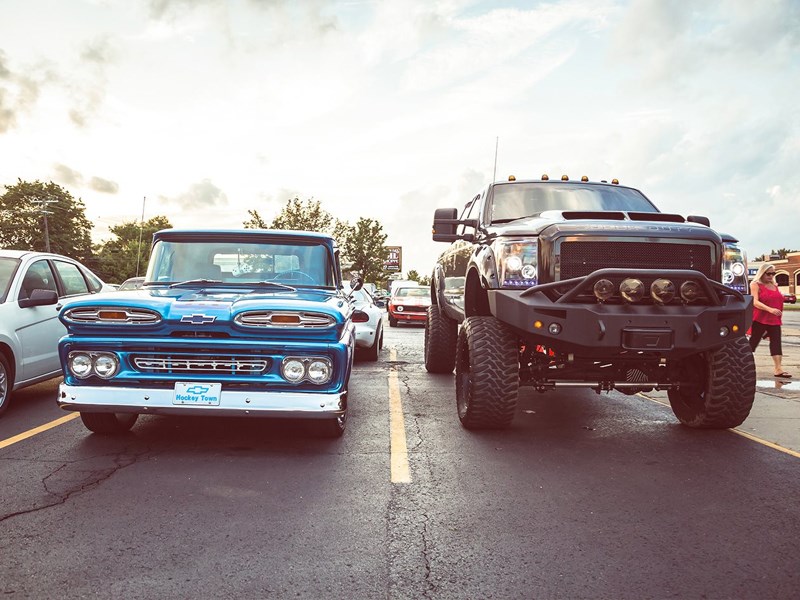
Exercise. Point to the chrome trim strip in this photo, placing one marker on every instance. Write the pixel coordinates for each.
(133, 316)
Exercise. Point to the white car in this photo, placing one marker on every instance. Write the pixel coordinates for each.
(33, 288)
(368, 319)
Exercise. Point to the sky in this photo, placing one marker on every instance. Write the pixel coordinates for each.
(200, 110)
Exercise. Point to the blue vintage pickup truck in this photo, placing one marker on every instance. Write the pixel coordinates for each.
(228, 323)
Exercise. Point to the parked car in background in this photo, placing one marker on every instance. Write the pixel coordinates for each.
(409, 305)
(368, 319)
(132, 283)
(789, 298)
(33, 288)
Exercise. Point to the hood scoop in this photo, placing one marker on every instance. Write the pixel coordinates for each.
(614, 215)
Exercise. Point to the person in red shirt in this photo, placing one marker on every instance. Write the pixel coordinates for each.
(767, 311)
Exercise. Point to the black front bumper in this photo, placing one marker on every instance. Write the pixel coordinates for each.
(605, 330)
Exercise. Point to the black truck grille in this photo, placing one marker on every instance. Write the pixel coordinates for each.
(580, 258)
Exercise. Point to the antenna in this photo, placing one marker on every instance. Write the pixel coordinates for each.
(496, 144)
(139, 247)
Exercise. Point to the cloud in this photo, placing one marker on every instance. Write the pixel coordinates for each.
(67, 176)
(104, 186)
(18, 94)
(199, 197)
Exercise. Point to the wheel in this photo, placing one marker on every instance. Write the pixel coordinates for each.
(717, 388)
(392, 321)
(374, 351)
(6, 383)
(296, 277)
(108, 422)
(328, 428)
(441, 337)
(487, 374)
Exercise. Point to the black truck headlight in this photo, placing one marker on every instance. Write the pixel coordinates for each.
(734, 267)
(517, 262)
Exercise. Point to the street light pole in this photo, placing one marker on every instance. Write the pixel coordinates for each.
(139, 247)
(43, 204)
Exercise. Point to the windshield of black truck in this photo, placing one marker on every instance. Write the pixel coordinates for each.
(513, 201)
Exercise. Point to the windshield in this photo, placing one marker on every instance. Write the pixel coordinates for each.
(232, 263)
(511, 201)
(413, 292)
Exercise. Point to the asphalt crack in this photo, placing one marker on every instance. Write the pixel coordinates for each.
(90, 480)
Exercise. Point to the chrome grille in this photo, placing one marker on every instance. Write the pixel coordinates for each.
(112, 314)
(199, 364)
(579, 258)
(285, 319)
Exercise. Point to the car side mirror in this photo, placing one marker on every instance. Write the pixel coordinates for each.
(39, 298)
(356, 283)
(445, 222)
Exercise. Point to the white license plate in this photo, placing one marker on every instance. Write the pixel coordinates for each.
(196, 393)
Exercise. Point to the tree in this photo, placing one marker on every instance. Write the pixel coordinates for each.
(305, 215)
(35, 215)
(413, 275)
(365, 248)
(255, 221)
(780, 253)
(120, 257)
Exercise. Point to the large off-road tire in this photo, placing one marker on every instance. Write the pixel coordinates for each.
(6, 383)
(108, 422)
(441, 337)
(487, 374)
(374, 351)
(717, 387)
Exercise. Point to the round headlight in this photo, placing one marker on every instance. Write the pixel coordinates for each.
(398, 308)
(603, 289)
(737, 269)
(631, 289)
(690, 290)
(80, 364)
(106, 365)
(513, 263)
(528, 272)
(319, 371)
(662, 291)
(293, 370)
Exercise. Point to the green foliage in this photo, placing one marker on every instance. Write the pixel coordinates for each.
(413, 275)
(364, 247)
(780, 253)
(255, 221)
(304, 215)
(119, 256)
(22, 221)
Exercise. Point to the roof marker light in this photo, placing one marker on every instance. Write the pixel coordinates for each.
(545, 177)
(512, 178)
(584, 178)
(615, 181)
(565, 178)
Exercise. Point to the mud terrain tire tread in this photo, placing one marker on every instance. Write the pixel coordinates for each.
(729, 381)
(441, 338)
(487, 374)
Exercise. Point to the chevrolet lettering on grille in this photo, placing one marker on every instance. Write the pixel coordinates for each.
(198, 319)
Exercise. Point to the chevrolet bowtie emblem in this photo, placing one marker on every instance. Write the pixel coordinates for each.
(197, 319)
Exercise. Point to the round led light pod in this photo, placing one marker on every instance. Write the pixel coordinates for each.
(631, 289)
(690, 291)
(603, 289)
(293, 370)
(514, 263)
(529, 272)
(662, 291)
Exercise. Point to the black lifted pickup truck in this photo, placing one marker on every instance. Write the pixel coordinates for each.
(567, 284)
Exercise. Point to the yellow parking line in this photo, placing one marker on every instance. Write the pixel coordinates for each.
(36, 430)
(397, 428)
(744, 434)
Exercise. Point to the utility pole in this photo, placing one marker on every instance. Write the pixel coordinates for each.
(44, 203)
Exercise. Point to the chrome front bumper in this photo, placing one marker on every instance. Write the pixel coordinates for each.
(233, 403)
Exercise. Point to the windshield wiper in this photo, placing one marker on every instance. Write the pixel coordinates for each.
(283, 286)
(195, 282)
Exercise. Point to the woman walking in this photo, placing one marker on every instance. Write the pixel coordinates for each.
(767, 311)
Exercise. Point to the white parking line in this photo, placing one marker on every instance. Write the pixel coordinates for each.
(36, 430)
(400, 472)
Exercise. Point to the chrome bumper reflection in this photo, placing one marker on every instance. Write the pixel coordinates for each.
(232, 402)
